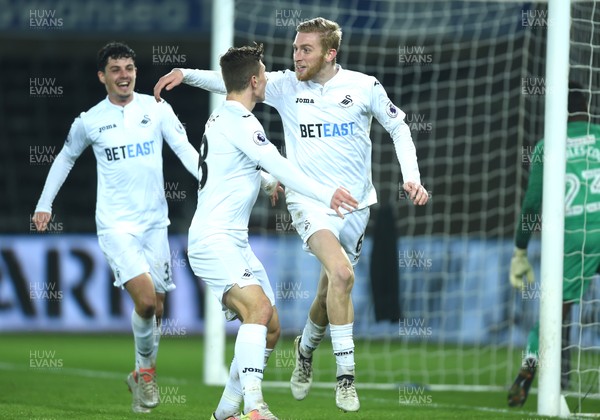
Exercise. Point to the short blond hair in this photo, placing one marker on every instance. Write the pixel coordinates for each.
(330, 32)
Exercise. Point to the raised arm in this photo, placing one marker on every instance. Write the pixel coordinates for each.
(204, 79)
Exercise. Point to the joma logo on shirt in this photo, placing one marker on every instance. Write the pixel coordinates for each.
(107, 127)
(305, 101)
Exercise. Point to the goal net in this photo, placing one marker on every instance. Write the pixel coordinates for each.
(470, 77)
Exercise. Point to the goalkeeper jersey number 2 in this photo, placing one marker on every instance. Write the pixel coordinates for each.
(582, 182)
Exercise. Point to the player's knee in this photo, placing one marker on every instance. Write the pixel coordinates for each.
(146, 307)
(259, 312)
(341, 280)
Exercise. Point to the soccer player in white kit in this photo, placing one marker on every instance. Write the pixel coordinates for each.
(126, 132)
(234, 148)
(326, 113)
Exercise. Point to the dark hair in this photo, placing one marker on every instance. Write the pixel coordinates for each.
(238, 65)
(577, 99)
(114, 50)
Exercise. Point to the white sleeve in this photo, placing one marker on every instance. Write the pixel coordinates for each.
(174, 133)
(75, 144)
(268, 182)
(293, 178)
(209, 80)
(407, 154)
(392, 119)
(256, 146)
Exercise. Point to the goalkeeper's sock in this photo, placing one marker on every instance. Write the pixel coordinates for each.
(343, 348)
(143, 337)
(250, 346)
(232, 395)
(311, 337)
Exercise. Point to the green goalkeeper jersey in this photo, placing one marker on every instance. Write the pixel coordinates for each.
(582, 194)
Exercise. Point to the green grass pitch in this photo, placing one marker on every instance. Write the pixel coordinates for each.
(60, 376)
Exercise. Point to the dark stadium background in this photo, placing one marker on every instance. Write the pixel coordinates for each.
(67, 54)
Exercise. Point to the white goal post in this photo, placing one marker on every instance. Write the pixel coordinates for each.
(553, 207)
(215, 368)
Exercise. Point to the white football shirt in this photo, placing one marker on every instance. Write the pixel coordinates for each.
(233, 151)
(327, 127)
(127, 143)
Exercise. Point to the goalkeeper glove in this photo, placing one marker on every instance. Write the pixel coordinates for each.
(519, 267)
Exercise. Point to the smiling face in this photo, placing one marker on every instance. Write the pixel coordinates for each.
(119, 78)
(310, 61)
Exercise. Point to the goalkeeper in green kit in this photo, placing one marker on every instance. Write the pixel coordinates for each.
(582, 232)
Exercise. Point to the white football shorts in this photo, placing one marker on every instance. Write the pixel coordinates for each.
(349, 231)
(222, 263)
(130, 255)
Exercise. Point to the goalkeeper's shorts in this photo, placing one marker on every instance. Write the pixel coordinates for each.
(349, 231)
(581, 263)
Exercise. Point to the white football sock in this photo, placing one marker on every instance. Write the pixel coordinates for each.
(143, 338)
(157, 332)
(311, 337)
(250, 346)
(343, 348)
(232, 395)
(267, 355)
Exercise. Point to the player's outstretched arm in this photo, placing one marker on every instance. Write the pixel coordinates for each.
(168, 82)
(417, 193)
(209, 80)
(293, 178)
